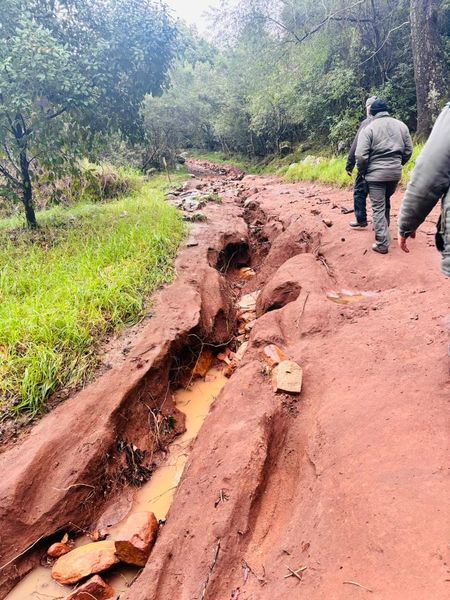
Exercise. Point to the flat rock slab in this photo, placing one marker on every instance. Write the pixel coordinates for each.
(136, 538)
(94, 589)
(287, 377)
(84, 561)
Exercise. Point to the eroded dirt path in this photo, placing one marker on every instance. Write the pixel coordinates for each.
(350, 482)
(346, 485)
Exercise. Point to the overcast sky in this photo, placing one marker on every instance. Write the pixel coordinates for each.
(192, 11)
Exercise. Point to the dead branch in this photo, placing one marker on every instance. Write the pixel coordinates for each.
(385, 41)
(358, 585)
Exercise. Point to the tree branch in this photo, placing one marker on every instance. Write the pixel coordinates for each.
(57, 113)
(8, 176)
(385, 41)
(327, 19)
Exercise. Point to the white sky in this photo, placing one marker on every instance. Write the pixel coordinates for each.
(192, 11)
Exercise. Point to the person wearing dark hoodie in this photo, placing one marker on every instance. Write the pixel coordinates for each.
(360, 190)
(430, 183)
(383, 147)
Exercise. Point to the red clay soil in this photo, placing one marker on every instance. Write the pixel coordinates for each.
(350, 482)
(346, 485)
(101, 439)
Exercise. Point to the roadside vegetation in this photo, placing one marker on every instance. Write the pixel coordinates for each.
(87, 272)
(300, 166)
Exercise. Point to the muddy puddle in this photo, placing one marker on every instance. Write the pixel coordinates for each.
(155, 496)
(349, 297)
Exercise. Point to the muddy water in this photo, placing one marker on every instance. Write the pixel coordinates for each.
(155, 496)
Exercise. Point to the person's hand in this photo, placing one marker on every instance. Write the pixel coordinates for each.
(403, 244)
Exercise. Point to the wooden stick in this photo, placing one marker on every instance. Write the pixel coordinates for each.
(295, 573)
(358, 585)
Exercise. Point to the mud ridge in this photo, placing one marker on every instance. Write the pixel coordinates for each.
(82, 454)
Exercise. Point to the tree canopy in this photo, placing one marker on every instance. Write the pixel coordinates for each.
(69, 70)
(300, 71)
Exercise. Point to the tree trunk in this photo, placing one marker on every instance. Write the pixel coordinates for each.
(27, 195)
(430, 68)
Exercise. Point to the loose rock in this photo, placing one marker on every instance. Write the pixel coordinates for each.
(84, 561)
(203, 363)
(273, 355)
(94, 589)
(57, 550)
(287, 377)
(246, 273)
(136, 539)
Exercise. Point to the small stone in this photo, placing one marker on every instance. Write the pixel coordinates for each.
(287, 377)
(84, 561)
(203, 363)
(248, 302)
(328, 222)
(246, 273)
(274, 355)
(136, 538)
(94, 589)
(57, 550)
(241, 351)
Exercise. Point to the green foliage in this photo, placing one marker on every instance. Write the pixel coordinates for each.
(289, 72)
(324, 170)
(86, 272)
(69, 70)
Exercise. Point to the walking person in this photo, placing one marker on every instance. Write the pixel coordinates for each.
(383, 147)
(430, 182)
(360, 190)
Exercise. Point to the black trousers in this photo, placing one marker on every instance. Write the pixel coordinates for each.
(360, 193)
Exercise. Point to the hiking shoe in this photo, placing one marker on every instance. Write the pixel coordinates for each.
(380, 249)
(356, 225)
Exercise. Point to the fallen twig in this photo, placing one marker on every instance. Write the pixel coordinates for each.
(211, 569)
(358, 585)
(293, 573)
(75, 485)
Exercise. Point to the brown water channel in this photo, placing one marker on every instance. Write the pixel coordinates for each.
(155, 496)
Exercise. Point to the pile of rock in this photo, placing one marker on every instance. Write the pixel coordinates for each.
(287, 375)
(191, 201)
(132, 545)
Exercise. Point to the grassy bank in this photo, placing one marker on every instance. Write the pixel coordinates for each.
(327, 170)
(88, 271)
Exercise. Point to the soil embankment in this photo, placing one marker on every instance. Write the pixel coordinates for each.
(337, 493)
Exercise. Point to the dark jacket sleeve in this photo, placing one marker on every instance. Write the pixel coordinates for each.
(430, 179)
(351, 160)
(363, 148)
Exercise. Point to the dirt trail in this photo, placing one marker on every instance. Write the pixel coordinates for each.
(352, 481)
(348, 484)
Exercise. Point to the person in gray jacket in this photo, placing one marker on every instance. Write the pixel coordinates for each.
(430, 182)
(360, 190)
(384, 146)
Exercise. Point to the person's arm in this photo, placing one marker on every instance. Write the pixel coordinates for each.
(363, 150)
(408, 149)
(351, 160)
(429, 181)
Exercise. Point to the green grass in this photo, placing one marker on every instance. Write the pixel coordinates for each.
(87, 272)
(239, 161)
(327, 170)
